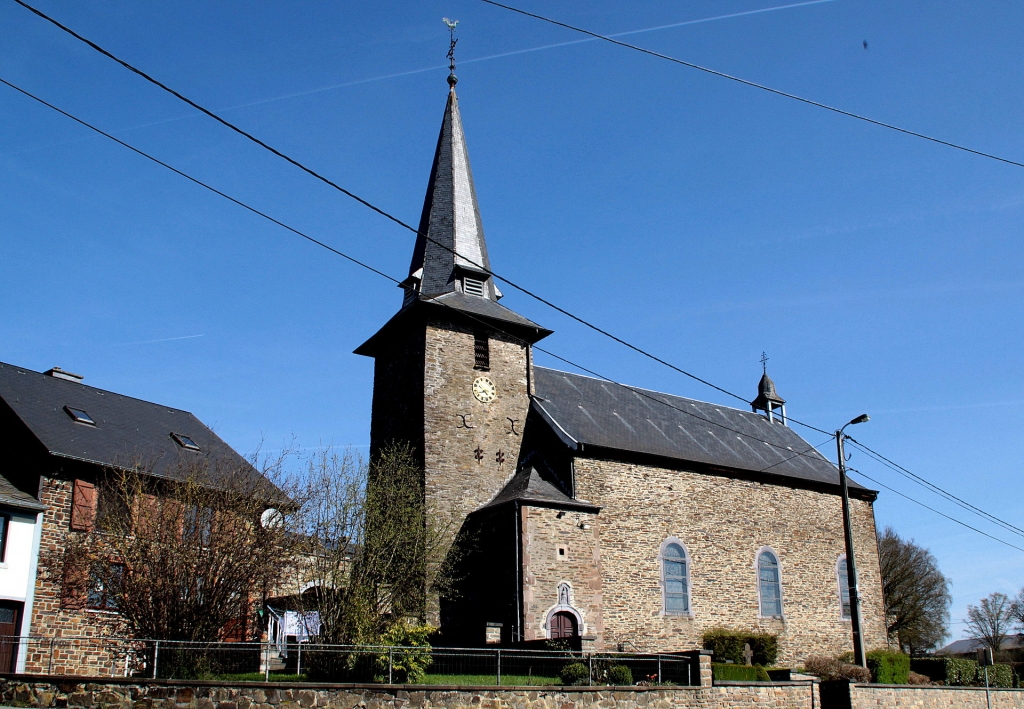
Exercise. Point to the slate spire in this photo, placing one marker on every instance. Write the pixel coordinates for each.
(451, 252)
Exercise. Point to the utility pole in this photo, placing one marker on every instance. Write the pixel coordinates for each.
(851, 565)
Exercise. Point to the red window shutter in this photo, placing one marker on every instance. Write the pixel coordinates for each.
(83, 506)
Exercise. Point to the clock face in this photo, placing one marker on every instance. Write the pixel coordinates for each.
(484, 390)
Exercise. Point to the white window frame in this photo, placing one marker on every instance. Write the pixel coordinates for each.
(757, 578)
(664, 586)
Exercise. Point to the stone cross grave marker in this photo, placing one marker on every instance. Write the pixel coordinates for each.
(748, 654)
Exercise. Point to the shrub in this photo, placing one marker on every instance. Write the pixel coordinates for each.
(575, 673)
(959, 672)
(915, 678)
(728, 645)
(829, 668)
(739, 673)
(411, 656)
(620, 676)
(888, 667)
(998, 676)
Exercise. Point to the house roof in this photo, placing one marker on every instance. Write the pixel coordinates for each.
(127, 431)
(598, 413)
(968, 646)
(11, 496)
(529, 487)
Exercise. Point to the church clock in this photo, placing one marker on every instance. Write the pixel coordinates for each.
(484, 390)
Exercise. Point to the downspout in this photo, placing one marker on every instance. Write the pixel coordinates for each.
(519, 573)
(30, 592)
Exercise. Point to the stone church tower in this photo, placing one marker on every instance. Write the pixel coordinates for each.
(452, 373)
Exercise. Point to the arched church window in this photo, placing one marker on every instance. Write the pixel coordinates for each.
(769, 584)
(675, 578)
(843, 577)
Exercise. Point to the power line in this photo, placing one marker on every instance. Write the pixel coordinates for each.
(639, 392)
(375, 208)
(896, 467)
(942, 514)
(753, 84)
(137, 151)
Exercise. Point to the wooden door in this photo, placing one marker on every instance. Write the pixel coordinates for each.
(563, 625)
(10, 622)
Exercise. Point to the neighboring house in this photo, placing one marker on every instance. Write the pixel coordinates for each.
(19, 555)
(60, 439)
(968, 647)
(626, 516)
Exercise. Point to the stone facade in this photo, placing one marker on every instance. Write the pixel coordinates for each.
(722, 523)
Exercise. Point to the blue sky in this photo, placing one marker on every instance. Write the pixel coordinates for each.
(698, 218)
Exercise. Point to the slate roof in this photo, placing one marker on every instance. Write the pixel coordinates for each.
(451, 214)
(11, 496)
(484, 307)
(127, 431)
(529, 487)
(968, 646)
(593, 412)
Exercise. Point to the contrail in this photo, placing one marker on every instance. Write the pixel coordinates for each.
(165, 339)
(438, 67)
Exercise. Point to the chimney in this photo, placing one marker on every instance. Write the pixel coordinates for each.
(58, 373)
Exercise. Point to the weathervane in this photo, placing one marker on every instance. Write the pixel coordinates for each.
(764, 362)
(451, 24)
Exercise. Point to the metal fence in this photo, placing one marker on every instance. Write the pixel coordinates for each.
(165, 659)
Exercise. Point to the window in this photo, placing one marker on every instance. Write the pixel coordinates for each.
(844, 587)
(473, 286)
(79, 416)
(481, 351)
(198, 524)
(5, 526)
(104, 586)
(675, 579)
(769, 585)
(185, 442)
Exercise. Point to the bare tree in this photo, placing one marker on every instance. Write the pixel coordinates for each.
(991, 620)
(917, 597)
(374, 549)
(184, 556)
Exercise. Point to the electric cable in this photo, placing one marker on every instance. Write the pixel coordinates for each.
(752, 84)
(931, 487)
(393, 280)
(941, 514)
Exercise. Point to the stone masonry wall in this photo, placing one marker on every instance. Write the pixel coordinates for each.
(51, 618)
(866, 696)
(456, 480)
(546, 532)
(723, 522)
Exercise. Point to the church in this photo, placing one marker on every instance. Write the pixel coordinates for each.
(621, 517)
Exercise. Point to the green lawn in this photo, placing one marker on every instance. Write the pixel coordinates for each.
(259, 677)
(510, 680)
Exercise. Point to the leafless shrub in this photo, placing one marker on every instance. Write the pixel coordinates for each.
(830, 668)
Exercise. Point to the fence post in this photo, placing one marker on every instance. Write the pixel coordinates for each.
(659, 670)
(391, 665)
(298, 670)
(266, 664)
(590, 667)
(156, 657)
(499, 666)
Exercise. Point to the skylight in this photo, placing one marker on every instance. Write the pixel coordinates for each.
(79, 416)
(185, 442)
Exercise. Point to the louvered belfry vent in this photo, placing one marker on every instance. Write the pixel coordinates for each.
(481, 351)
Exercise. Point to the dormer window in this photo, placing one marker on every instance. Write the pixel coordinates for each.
(185, 442)
(473, 286)
(79, 416)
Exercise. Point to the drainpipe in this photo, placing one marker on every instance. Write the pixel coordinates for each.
(518, 543)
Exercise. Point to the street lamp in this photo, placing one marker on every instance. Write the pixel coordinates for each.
(851, 566)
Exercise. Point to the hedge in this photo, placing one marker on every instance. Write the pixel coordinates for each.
(958, 672)
(728, 645)
(888, 667)
(739, 673)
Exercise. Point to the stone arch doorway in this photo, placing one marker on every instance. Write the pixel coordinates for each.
(563, 625)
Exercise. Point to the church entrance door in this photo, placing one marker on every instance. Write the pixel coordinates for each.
(563, 625)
